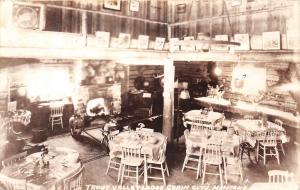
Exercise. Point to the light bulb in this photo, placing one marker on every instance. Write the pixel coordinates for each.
(218, 71)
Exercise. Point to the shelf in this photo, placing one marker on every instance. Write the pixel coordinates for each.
(57, 45)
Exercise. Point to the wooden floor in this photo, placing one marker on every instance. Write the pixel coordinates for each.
(95, 161)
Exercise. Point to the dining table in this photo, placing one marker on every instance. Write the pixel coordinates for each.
(206, 116)
(150, 142)
(249, 130)
(229, 142)
(44, 170)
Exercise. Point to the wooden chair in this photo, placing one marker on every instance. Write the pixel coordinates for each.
(13, 159)
(248, 117)
(246, 147)
(13, 184)
(279, 142)
(212, 156)
(279, 176)
(269, 142)
(233, 163)
(131, 158)
(114, 161)
(199, 126)
(159, 164)
(192, 156)
(75, 182)
(56, 114)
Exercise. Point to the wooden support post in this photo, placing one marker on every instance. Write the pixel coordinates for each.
(84, 26)
(169, 33)
(168, 110)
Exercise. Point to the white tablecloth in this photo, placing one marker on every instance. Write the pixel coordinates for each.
(251, 127)
(63, 162)
(150, 142)
(210, 117)
(228, 142)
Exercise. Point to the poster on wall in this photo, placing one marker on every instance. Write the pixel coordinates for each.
(173, 46)
(203, 46)
(220, 47)
(293, 39)
(102, 39)
(143, 42)
(188, 47)
(236, 2)
(159, 43)
(271, 40)
(256, 42)
(243, 39)
(124, 40)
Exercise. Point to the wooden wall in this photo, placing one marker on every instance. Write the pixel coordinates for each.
(4, 94)
(146, 71)
(190, 71)
(251, 16)
(70, 20)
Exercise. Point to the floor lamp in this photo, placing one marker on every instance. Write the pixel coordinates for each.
(183, 94)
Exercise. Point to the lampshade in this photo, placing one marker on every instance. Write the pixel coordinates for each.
(184, 94)
(184, 85)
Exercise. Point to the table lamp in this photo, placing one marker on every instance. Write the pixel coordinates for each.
(184, 93)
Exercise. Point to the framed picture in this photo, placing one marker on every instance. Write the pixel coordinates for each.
(203, 46)
(102, 39)
(159, 43)
(29, 16)
(188, 47)
(181, 8)
(243, 39)
(134, 43)
(271, 40)
(293, 39)
(220, 47)
(256, 42)
(173, 46)
(134, 5)
(124, 40)
(143, 42)
(235, 2)
(283, 41)
(112, 4)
